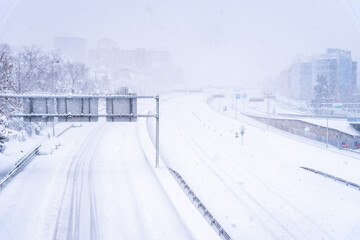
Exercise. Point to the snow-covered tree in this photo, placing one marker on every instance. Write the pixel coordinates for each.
(54, 73)
(321, 90)
(5, 67)
(77, 75)
(7, 105)
(29, 70)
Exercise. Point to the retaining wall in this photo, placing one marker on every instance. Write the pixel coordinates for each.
(337, 138)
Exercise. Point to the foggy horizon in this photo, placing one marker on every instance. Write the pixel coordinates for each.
(230, 43)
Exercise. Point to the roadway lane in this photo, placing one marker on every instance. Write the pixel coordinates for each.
(97, 186)
(258, 190)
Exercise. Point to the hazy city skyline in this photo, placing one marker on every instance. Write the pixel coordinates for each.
(215, 42)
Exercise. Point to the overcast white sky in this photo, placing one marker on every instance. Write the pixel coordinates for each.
(214, 41)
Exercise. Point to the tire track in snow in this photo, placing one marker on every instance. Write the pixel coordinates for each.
(268, 229)
(77, 183)
(254, 180)
(284, 206)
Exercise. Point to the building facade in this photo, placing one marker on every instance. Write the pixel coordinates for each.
(338, 68)
(134, 66)
(75, 48)
(300, 81)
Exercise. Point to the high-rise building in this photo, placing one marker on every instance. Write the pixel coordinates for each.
(300, 81)
(146, 66)
(74, 48)
(336, 65)
(340, 71)
(354, 74)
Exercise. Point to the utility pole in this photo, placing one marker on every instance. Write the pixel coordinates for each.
(157, 131)
(236, 105)
(267, 94)
(327, 131)
(327, 119)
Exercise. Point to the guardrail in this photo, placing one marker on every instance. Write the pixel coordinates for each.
(200, 206)
(347, 183)
(66, 129)
(26, 159)
(19, 165)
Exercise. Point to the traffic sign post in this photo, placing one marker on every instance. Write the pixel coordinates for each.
(242, 132)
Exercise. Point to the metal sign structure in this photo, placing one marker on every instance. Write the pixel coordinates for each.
(39, 105)
(77, 106)
(84, 108)
(116, 106)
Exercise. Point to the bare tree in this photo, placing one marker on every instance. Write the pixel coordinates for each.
(29, 70)
(54, 72)
(7, 105)
(77, 73)
(6, 67)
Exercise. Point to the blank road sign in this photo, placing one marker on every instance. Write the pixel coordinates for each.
(38, 106)
(121, 106)
(78, 106)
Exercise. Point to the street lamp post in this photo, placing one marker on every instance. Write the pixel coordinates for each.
(267, 96)
(236, 106)
(327, 131)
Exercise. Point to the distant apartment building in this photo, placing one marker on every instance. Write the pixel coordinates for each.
(152, 66)
(336, 65)
(75, 48)
(300, 81)
(108, 55)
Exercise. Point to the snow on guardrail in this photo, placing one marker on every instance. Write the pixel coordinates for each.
(66, 129)
(19, 165)
(200, 206)
(26, 159)
(347, 183)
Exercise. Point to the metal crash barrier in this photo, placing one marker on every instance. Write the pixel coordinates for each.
(347, 183)
(200, 206)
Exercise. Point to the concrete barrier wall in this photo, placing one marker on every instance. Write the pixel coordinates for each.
(336, 138)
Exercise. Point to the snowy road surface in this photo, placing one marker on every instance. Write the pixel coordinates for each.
(259, 191)
(97, 186)
(100, 185)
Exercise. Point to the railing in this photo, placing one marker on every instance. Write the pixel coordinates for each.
(347, 183)
(200, 206)
(19, 165)
(66, 129)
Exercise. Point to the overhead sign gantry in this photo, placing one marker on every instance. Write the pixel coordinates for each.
(84, 108)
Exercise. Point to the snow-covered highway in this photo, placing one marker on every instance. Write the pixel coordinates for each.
(101, 183)
(259, 191)
(98, 185)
